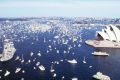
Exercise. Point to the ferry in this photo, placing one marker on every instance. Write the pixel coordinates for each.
(100, 54)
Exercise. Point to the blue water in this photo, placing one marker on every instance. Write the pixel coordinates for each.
(34, 42)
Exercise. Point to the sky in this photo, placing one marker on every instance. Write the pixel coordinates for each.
(63, 8)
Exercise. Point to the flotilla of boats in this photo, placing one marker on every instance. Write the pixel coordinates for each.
(8, 51)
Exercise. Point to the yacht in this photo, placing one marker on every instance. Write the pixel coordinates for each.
(42, 68)
(72, 61)
(100, 54)
(101, 76)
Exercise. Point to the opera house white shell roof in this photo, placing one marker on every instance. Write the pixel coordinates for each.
(111, 33)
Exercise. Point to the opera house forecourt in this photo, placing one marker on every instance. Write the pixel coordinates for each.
(107, 38)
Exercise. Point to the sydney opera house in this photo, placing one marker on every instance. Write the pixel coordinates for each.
(109, 37)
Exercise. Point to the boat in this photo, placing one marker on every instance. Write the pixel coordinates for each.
(101, 76)
(52, 70)
(74, 78)
(31, 54)
(84, 61)
(100, 54)
(42, 68)
(6, 73)
(8, 51)
(40, 27)
(54, 75)
(22, 61)
(17, 70)
(72, 61)
(107, 38)
(38, 63)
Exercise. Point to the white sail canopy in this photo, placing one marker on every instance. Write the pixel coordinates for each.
(116, 32)
(104, 35)
(110, 33)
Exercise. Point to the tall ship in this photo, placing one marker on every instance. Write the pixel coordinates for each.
(8, 51)
(109, 37)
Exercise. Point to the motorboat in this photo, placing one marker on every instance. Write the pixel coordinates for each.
(100, 54)
(101, 76)
(72, 61)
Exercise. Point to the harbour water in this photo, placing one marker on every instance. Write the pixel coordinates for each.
(52, 47)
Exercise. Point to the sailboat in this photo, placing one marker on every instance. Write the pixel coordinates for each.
(22, 59)
(84, 60)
